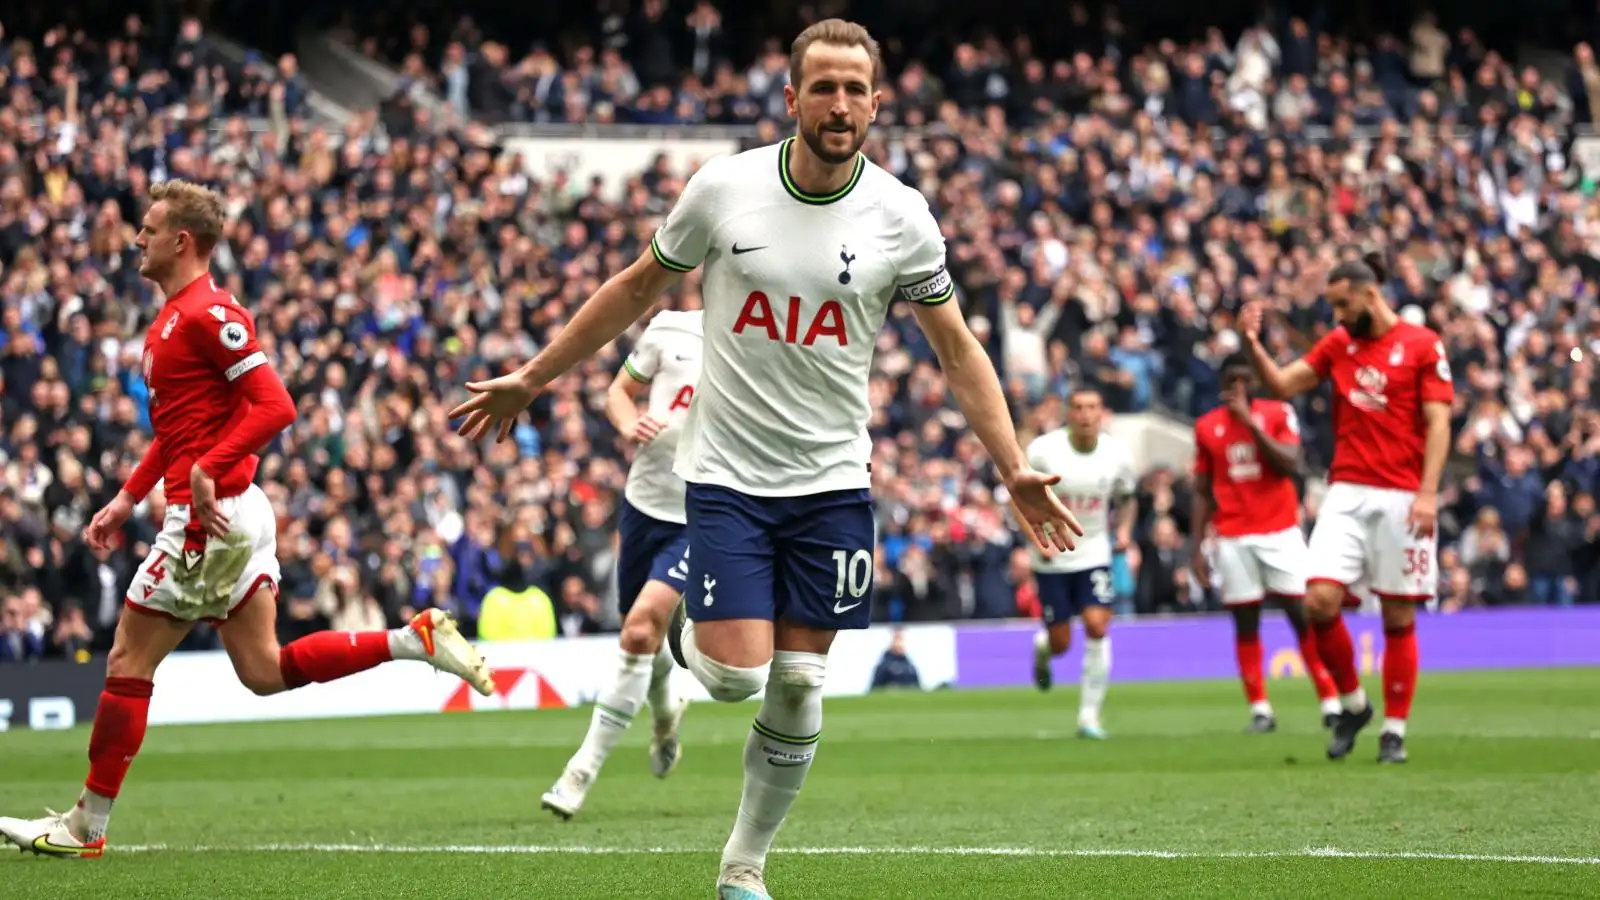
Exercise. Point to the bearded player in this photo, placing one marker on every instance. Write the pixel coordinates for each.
(1392, 392)
(805, 244)
(653, 560)
(1246, 454)
(214, 400)
(1096, 472)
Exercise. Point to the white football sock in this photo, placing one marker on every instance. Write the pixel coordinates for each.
(1331, 706)
(1396, 727)
(91, 816)
(1355, 701)
(777, 754)
(1041, 647)
(613, 713)
(1261, 709)
(1096, 677)
(660, 693)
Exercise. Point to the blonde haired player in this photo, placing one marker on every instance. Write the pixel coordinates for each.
(804, 243)
(1392, 392)
(214, 400)
(653, 557)
(1096, 477)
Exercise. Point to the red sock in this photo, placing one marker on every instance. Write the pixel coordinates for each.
(1399, 671)
(1320, 678)
(119, 726)
(1248, 651)
(1337, 653)
(331, 655)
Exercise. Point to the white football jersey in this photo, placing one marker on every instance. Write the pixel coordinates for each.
(1091, 484)
(667, 358)
(796, 289)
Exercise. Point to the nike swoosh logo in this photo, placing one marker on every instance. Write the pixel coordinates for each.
(738, 249)
(684, 358)
(841, 610)
(424, 630)
(41, 844)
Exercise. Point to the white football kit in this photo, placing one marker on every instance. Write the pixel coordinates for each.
(1091, 484)
(796, 289)
(775, 450)
(667, 357)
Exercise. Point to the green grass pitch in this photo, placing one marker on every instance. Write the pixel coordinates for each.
(942, 795)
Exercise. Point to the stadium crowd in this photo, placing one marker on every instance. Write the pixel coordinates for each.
(1106, 214)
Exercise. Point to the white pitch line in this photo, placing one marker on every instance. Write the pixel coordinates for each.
(1046, 852)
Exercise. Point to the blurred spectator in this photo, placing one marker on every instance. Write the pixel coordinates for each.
(895, 669)
(21, 638)
(517, 610)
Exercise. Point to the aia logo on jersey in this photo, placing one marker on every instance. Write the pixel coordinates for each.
(758, 316)
(172, 323)
(681, 399)
(1084, 503)
(1368, 394)
(1243, 465)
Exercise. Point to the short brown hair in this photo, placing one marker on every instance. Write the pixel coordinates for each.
(833, 31)
(192, 208)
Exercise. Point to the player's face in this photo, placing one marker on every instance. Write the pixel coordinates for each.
(1238, 379)
(158, 243)
(1352, 307)
(1084, 416)
(835, 101)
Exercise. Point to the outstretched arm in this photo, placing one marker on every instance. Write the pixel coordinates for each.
(618, 303)
(974, 383)
(976, 386)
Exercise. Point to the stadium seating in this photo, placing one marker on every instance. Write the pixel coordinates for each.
(1106, 214)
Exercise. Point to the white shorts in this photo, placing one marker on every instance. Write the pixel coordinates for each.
(191, 586)
(1361, 540)
(1257, 566)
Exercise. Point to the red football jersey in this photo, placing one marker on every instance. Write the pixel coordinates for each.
(1379, 387)
(1251, 496)
(202, 342)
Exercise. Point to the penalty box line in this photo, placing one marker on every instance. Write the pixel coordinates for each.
(1024, 852)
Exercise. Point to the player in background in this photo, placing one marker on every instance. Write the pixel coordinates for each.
(652, 561)
(1246, 454)
(1392, 392)
(214, 400)
(805, 243)
(1096, 472)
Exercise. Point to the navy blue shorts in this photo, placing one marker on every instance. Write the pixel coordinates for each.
(1063, 595)
(807, 560)
(651, 550)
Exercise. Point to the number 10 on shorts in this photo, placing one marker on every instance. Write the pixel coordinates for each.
(855, 572)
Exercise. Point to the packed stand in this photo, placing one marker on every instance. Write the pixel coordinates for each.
(1103, 241)
(1107, 213)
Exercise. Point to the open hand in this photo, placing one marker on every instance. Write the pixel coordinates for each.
(495, 406)
(1049, 524)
